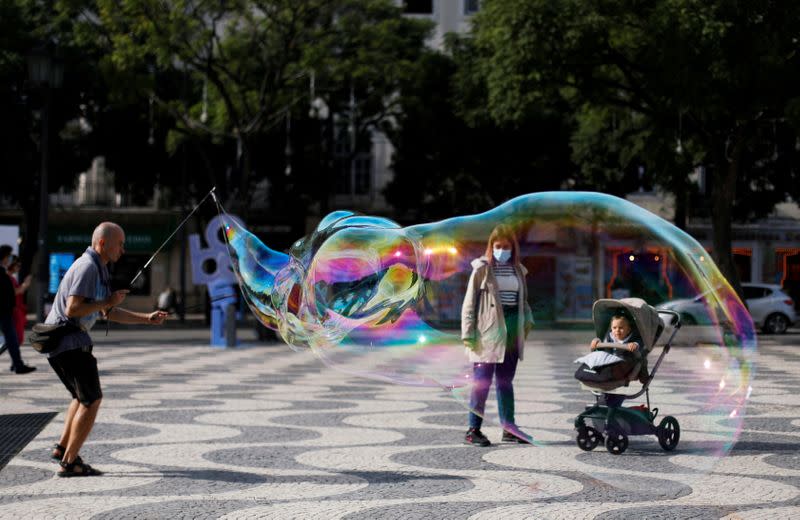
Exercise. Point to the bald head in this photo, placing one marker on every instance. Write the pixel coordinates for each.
(105, 230)
(108, 239)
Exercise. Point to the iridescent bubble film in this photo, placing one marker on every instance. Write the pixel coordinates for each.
(375, 299)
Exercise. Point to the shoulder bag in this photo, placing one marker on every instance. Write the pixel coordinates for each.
(46, 337)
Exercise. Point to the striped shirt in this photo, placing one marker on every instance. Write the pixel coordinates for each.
(507, 284)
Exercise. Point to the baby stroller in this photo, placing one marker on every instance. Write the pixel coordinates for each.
(606, 416)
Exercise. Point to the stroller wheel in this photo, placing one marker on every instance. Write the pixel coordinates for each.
(588, 438)
(616, 442)
(669, 433)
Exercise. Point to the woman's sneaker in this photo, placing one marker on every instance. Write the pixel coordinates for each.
(474, 437)
(510, 437)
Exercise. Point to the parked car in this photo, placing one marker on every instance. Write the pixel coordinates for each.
(772, 309)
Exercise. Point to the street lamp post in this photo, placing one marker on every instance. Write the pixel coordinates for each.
(47, 73)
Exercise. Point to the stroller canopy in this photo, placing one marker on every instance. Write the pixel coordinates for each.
(645, 318)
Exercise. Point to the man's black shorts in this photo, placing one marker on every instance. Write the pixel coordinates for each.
(77, 369)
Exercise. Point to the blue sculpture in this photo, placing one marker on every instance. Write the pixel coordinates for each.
(212, 266)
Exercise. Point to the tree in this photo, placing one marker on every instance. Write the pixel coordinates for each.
(720, 75)
(17, 149)
(248, 66)
(25, 25)
(451, 158)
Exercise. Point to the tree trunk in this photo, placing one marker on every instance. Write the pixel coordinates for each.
(30, 232)
(328, 165)
(245, 191)
(681, 198)
(723, 193)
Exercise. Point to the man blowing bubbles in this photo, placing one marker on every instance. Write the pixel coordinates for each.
(83, 295)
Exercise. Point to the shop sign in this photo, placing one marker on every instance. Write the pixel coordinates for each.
(142, 240)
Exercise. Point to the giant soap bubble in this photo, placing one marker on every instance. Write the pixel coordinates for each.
(375, 299)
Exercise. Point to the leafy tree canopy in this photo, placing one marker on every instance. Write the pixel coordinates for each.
(721, 76)
(247, 66)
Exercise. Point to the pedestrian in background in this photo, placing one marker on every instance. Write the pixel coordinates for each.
(495, 319)
(83, 295)
(8, 300)
(167, 300)
(20, 309)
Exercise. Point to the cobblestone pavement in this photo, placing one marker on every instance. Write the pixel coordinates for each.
(188, 431)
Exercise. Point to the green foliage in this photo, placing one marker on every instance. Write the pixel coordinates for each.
(718, 77)
(451, 158)
(16, 146)
(639, 75)
(203, 87)
(255, 60)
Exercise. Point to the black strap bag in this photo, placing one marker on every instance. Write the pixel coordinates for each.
(46, 337)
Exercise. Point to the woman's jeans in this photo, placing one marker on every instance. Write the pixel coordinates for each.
(11, 341)
(504, 375)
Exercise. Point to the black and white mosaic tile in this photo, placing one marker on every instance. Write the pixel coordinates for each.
(266, 432)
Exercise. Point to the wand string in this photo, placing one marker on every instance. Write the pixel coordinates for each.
(210, 193)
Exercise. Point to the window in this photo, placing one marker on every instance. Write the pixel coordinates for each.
(751, 293)
(362, 173)
(341, 144)
(343, 178)
(418, 6)
(471, 6)
(354, 177)
(742, 259)
(352, 167)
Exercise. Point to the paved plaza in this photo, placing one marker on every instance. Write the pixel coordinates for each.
(261, 431)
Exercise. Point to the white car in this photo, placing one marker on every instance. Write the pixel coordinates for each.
(772, 309)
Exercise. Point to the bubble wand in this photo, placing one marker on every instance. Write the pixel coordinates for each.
(210, 193)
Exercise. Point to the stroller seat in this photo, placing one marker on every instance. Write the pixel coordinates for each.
(618, 376)
(621, 383)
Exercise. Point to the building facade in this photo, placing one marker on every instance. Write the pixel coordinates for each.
(360, 182)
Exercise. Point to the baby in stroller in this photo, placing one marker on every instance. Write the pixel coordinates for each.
(616, 362)
(630, 328)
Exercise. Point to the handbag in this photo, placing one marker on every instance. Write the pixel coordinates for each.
(46, 337)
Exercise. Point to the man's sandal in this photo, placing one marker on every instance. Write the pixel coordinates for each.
(77, 468)
(60, 448)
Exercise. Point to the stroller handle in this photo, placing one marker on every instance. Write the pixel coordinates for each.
(616, 349)
(677, 323)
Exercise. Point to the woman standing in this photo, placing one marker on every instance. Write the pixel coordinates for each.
(20, 309)
(495, 319)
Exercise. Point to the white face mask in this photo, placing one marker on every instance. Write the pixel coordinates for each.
(502, 255)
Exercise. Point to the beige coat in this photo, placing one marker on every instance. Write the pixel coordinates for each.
(489, 326)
